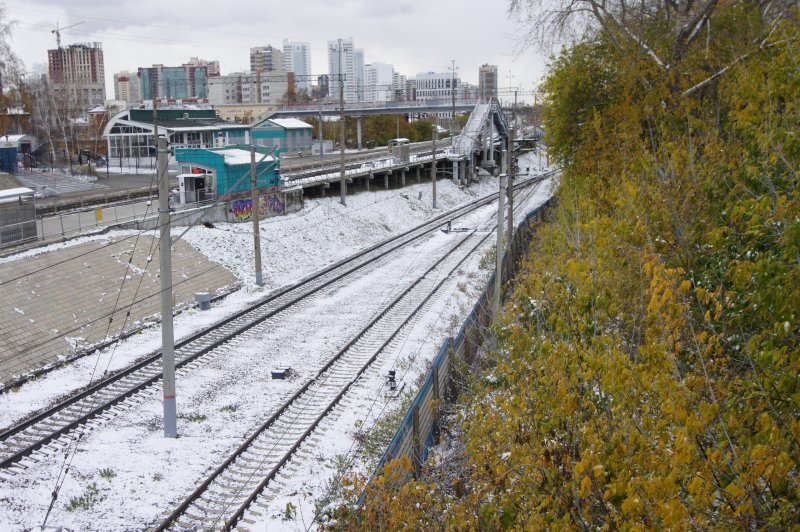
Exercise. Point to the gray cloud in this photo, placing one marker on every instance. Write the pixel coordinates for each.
(413, 35)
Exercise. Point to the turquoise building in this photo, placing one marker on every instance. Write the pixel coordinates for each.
(283, 134)
(224, 173)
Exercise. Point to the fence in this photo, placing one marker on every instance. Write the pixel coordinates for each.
(17, 224)
(420, 427)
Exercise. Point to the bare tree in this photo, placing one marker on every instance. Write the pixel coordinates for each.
(663, 29)
(10, 65)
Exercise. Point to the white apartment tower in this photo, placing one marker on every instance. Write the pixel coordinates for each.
(345, 62)
(378, 82)
(297, 59)
(358, 55)
(399, 87)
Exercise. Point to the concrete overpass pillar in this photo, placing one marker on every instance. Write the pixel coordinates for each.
(386, 181)
(367, 180)
(403, 177)
(418, 178)
(485, 147)
(455, 171)
(462, 172)
(358, 132)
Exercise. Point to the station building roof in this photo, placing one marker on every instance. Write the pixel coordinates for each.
(284, 123)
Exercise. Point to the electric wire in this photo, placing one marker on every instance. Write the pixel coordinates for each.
(351, 454)
(74, 443)
(327, 375)
(350, 458)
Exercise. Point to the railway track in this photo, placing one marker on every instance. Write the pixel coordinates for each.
(24, 438)
(227, 495)
(221, 500)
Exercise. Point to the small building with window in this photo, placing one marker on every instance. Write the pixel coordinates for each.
(283, 134)
(224, 173)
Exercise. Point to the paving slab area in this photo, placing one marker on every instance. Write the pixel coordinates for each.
(55, 304)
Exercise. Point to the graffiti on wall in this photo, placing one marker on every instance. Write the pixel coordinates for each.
(267, 205)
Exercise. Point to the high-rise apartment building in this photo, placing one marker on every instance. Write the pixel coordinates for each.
(212, 67)
(177, 83)
(358, 56)
(487, 82)
(265, 59)
(345, 64)
(297, 59)
(378, 82)
(126, 87)
(399, 87)
(77, 73)
(248, 88)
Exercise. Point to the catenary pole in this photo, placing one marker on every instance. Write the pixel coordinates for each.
(511, 169)
(433, 161)
(453, 98)
(342, 178)
(165, 258)
(255, 215)
(321, 137)
(498, 275)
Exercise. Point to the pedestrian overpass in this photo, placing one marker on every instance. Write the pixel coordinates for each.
(486, 127)
(485, 132)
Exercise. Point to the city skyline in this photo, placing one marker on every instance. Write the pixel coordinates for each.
(427, 46)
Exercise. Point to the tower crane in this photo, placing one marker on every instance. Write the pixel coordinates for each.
(58, 31)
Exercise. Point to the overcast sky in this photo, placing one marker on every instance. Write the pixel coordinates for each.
(412, 35)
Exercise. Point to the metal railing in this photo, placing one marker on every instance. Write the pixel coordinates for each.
(419, 430)
(443, 105)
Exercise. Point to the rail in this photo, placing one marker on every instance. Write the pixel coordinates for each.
(198, 344)
(420, 427)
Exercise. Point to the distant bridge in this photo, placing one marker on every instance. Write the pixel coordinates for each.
(360, 110)
(377, 108)
(479, 144)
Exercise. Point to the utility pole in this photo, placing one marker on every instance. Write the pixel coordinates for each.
(165, 274)
(433, 160)
(498, 275)
(511, 168)
(453, 97)
(509, 76)
(342, 179)
(255, 215)
(165, 258)
(321, 136)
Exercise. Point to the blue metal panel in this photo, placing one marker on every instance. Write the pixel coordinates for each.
(8, 160)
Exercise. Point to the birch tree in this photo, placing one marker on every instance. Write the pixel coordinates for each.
(662, 30)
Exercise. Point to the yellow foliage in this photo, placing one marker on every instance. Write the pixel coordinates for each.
(656, 385)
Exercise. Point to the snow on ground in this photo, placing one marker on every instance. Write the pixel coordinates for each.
(123, 474)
